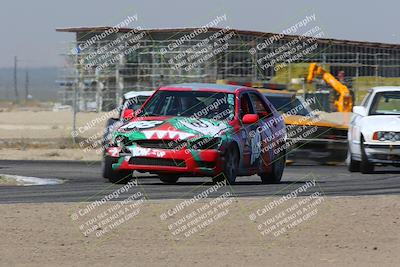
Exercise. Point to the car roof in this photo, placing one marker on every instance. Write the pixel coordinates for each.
(132, 94)
(385, 88)
(204, 86)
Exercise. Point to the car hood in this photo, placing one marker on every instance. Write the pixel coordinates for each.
(390, 123)
(172, 128)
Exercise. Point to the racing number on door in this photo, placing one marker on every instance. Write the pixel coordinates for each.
(265, 126)
(251, 138)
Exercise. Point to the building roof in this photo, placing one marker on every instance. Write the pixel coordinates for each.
(204, 86)
(241, 32)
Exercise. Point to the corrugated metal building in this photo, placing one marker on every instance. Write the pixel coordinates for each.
(147, 59)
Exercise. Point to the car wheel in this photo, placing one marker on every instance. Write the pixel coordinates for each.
(116, 177)
(352, 165)
(231, 166)
(275, 176)
(168, 178)
(365, 165)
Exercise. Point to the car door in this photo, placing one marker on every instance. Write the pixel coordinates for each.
(247, 134)
(266, 127)
(354, 131)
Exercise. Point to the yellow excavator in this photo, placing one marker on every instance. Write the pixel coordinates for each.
(344, 103)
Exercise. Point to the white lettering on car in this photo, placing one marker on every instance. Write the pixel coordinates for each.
(141, 125)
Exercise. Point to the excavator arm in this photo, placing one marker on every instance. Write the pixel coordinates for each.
(344, 103)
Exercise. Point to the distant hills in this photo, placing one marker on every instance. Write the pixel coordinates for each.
(42, 83)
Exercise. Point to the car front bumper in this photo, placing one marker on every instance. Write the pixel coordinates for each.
(190, 162)
(320, 150)
(383, 153)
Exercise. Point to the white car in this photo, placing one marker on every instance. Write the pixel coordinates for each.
(129, 102)
(374, 131)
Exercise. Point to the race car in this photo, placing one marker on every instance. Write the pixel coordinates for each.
(311, 137)
(199, 129)
(374, 132)
(130, 101)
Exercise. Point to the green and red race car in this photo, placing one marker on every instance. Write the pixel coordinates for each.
(198, 129)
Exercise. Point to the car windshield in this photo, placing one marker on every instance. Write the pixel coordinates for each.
(386, 103)
(288, 104)
(197, 104)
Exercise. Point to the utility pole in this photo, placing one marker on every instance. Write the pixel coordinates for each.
(26, 85)
(15, 80)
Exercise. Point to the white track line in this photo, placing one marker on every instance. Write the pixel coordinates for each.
(27, 180)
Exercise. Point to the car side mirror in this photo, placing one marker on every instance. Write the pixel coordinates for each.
(360, 110)
(250, 118)
(128, 114)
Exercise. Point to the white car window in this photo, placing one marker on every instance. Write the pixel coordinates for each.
(386, 103)
(366, 99)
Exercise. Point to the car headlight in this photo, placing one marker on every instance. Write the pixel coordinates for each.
(386, 136)
(118, 141)
(206, 143)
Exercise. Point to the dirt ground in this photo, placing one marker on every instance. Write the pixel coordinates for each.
(36, 135)
(349, 231)
(49, 124)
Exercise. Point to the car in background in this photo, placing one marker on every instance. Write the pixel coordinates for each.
(199, 129)
(129, 102)
(311, 137)
(374, 132)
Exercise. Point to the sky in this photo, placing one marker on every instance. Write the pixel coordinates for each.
(28, 27)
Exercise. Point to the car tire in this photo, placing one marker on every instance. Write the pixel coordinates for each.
(231, 166)
(365, 165)
(115, 177)
(278, 166)
(353, 165)
(168, 178)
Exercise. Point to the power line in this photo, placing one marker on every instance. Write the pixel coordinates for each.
(15, 80)
(26, 85)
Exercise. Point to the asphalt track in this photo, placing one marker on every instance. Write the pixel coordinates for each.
(83, 182)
